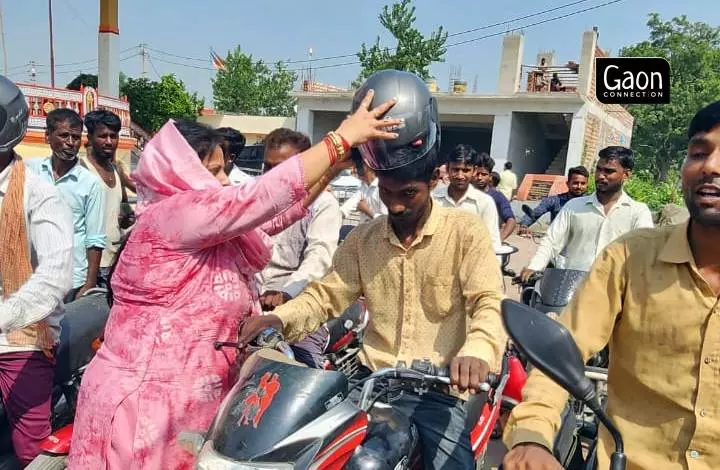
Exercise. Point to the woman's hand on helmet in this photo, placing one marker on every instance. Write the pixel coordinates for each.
(368, 124)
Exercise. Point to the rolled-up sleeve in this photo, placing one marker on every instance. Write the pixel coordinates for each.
(51, 236)
(327, 297)
(95, 235)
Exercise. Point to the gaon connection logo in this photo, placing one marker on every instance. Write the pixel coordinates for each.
(625, 80)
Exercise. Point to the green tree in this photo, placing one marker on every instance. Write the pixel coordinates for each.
(693, 50)
(84, 79)
(153, 103)
(251, 87)
(413, 52)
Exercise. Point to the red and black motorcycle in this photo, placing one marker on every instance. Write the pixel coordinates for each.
(284, 415)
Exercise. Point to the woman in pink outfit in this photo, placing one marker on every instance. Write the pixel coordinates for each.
(185, 280)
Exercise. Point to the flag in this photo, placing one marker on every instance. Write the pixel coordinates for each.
(217, 61)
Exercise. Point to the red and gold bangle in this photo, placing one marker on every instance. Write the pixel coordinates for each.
(332, 149)
(340, 147)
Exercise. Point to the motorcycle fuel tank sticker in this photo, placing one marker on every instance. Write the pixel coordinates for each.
(257, 401)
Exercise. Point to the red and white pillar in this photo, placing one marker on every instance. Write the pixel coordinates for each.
(108, 53)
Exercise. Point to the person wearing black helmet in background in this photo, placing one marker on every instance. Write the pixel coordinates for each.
(422, 305)
(36, 241)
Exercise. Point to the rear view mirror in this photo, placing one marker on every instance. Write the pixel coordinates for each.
(548, 346)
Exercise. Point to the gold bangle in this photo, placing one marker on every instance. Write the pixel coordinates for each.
(339, 147)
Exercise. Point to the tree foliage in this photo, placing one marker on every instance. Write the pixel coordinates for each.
(413, 52)
(693, 50)
(251, 87)
(84, 79)
(153, 103)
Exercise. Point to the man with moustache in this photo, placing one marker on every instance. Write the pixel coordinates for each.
(653, 295)
(586, 225)
(81, 190)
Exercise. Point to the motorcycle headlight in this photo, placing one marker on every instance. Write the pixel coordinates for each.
(211, 460)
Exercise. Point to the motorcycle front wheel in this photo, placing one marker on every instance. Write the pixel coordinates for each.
(48, 462)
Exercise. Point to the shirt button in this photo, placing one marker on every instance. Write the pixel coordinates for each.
(694, 454)
(703, 413)
(708, 360)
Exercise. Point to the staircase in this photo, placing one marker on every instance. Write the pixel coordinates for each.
(557, 166)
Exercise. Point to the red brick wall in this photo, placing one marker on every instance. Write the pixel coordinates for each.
(614, 110)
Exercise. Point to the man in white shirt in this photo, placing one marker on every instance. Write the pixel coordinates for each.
(233, 144)
(462, 165)
(36, 249)
(303, 252)
(586, 225)
(367, 200)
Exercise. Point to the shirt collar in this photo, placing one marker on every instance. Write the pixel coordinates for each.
(73, 173)
(623, 200)
(5, 177)
(429, 229)
(677, 247)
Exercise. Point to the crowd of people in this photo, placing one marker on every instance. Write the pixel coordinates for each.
(213, 254)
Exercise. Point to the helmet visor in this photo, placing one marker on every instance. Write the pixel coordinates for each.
(386, 155)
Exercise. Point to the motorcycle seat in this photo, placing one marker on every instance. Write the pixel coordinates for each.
(84, 322)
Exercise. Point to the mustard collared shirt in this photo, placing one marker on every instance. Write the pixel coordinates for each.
(438, 299)
(646, 297)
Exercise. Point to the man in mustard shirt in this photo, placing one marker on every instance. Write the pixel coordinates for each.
(429, 276)
(653, 295)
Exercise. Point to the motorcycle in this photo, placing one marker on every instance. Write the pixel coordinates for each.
(283, 415)
(549, 346)
(80, 337)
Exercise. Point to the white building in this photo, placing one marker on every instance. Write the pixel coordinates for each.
(540, 131)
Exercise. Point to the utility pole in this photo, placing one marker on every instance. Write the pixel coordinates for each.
(33, 72)
(4, 46)
(144, 54)
(52, 46)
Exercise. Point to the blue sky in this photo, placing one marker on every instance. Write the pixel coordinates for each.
(284, 29)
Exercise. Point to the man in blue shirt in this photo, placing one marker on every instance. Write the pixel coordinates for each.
(81, 190)
(577, 186)
(483, 182)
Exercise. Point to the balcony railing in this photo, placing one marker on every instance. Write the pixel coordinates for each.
(545, 79)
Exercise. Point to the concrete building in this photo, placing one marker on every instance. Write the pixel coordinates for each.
(541, 125)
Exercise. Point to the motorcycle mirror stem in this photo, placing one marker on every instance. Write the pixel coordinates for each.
(618, 459)
(550, 347)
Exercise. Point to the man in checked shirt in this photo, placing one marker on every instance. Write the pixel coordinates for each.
(653, 295)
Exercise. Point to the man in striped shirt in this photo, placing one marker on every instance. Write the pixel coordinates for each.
(36, 241)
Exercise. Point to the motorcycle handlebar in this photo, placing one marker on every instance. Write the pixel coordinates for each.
(270, 338)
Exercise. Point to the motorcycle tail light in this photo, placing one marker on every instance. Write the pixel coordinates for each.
(211, 460)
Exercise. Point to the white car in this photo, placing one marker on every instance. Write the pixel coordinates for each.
(344, 186)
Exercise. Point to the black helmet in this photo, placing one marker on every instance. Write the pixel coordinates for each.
(420, 132)
(13, 115)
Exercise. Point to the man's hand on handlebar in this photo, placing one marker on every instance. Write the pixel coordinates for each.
(530, 457)
(526, 274)
(253, 326)
(273, 298)
(468, 373)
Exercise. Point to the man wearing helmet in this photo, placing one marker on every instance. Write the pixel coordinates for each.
(35, 272)
(428, 274)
